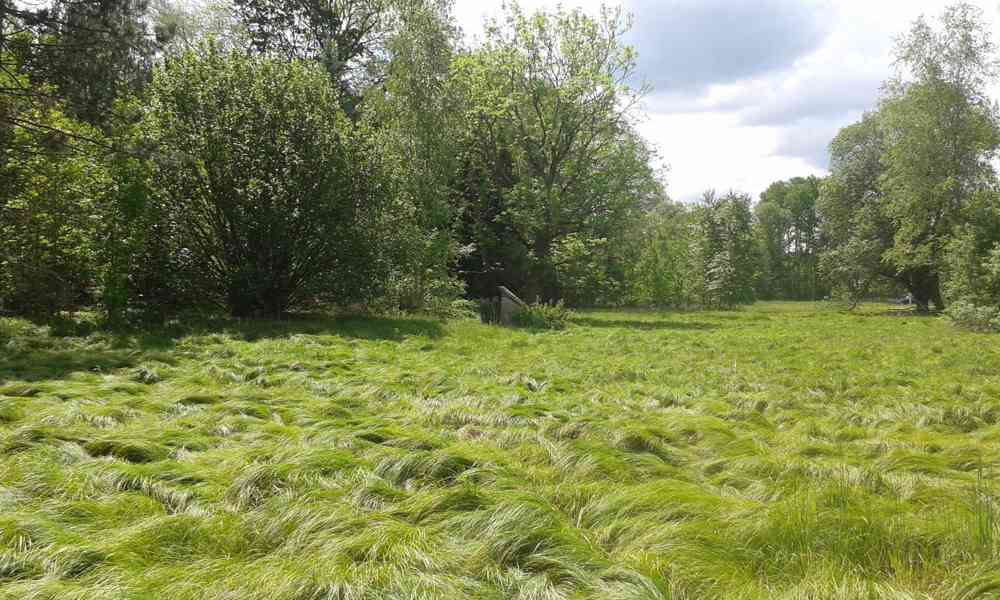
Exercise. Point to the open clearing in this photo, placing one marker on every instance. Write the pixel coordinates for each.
(783, 451)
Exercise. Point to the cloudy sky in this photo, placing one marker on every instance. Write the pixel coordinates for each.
(746, 92)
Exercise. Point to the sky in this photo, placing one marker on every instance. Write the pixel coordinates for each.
(747, 92)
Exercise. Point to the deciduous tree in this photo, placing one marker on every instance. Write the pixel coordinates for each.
(549, 148)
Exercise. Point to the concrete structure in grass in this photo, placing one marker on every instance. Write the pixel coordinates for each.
(501, 309)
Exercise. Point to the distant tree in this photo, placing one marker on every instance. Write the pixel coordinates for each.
(788, 230)
(943, 135)
(272, 194)
(856, 225)
(660, 254)
(584, 270)
(725, 253)
(415, 117)
(181, 25)
(971, 269)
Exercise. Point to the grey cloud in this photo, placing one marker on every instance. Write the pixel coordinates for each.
(828, 95)
(777, 100)
(695, 101)
(810, 148)
(690, 44)
(810, 138)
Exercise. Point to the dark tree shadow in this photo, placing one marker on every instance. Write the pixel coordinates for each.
(57, 353)
(394, 329)
(41, 363)
(729, 317)
(642, 325)
(892, 312)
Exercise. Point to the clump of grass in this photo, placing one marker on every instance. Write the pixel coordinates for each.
(130, 450)
(540, 315)
(441, 466)
(199, 399)
(16, 567)
(9, 412)
(639, 440)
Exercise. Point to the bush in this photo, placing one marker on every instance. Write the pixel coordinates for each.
(10, 328)
(976, 318)
(267, 185)
(453, 309)
(433, 293)
(540, 315)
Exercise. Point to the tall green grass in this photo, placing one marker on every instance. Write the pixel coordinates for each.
(786, 451)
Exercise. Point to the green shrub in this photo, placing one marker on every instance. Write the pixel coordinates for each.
(454, 309)
(976, 318)
(300, 210)
(10, 327)
(540, 315)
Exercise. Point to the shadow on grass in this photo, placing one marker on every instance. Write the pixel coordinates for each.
(393, 329)
(655, 325)
(891, 312)
(55, 353)
(40, 362)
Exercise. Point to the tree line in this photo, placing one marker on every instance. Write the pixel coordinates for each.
(262, 156)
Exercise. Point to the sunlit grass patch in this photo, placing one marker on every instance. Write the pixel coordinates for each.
(782, 451)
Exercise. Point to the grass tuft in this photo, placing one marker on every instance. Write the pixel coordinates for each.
(129, 450)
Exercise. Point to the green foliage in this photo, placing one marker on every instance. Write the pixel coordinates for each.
(438, 296)
(582, 269)
(143, 271)
(178, 25)
(548, 145)
(976, 318)
(264, 182)
(413, 119)
(660, 258)
(725, 253)
(705, 256)
(904, 180)
(543, 315)
(973, 266)
(85, 53)
(857, 230)
(340, 35)
(788, 231)
(50, 208)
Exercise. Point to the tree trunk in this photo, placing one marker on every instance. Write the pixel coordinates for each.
(936, 295)
(544, 285)
(926, 289)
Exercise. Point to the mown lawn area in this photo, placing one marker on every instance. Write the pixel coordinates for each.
(782, 451)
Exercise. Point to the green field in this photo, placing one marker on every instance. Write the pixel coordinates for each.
(783, 451)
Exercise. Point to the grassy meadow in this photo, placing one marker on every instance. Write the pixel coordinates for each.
(791, 451)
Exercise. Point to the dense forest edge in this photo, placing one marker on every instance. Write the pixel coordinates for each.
(260, 157)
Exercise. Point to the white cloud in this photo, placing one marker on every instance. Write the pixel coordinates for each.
(752, 91)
